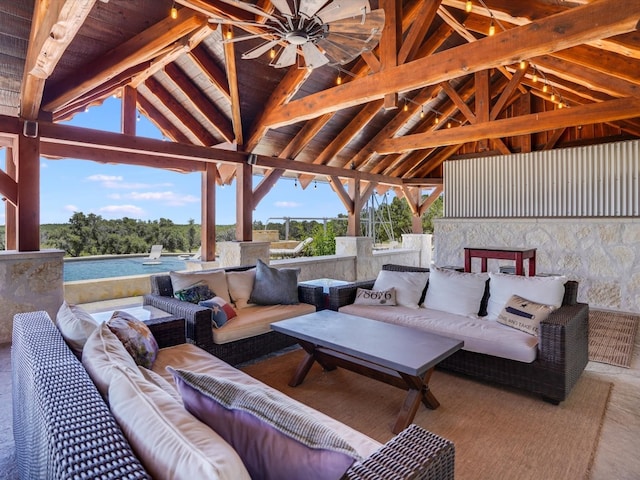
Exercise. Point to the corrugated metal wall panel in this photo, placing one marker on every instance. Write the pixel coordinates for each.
(593, 181)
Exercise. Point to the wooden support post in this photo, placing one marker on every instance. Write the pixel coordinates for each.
(10, 225)
(483, 101)
(28, 211)
(244, 203)
(208, 223)
(353, 226)
(128, 110)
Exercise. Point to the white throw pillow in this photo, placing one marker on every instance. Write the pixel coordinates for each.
(545, 290)
(409, 286)
(375, 297)
(216, 280)
(455, 292)
(75, 325)
(241, 286)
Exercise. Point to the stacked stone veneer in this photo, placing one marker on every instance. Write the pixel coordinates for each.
(29, 281)
(603, 255)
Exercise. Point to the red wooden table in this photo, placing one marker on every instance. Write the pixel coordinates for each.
(501, 253)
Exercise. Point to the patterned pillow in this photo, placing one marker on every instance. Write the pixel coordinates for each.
(135, 336)
(265, 427)
(221, 311)
(524, 315)
(375, 297)
(195, 293)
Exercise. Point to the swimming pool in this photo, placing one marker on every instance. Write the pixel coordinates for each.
(117, 266)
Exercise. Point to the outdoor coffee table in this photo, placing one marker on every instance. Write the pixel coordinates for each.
(400, 356)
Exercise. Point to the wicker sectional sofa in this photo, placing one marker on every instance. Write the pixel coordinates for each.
(64, 429)
(562, 347)
(245, 337)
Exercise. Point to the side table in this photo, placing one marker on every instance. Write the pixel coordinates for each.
(325, 283)
(501, 253)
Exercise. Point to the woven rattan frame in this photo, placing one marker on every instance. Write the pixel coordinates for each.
(563, 348)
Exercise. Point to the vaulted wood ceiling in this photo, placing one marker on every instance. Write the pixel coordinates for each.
(555, 74)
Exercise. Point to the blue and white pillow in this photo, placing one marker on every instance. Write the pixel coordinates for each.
(221, 311)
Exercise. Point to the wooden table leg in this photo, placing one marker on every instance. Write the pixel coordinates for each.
(418, 392)
(303, 368)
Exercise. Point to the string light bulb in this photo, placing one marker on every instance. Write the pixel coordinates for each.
(229, 34)
(545, 88)
(174, 11)
(406, 106)
(448, 124)
(523, 64)
(295, 183)
(422, 112)
(492, 29)
(272, 53)
(535, 77)
(437, 120)
(339, 79)
(553, 97)
(468, 6)
(561, 105)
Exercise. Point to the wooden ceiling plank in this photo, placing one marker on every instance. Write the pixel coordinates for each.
(506, 93)
(211, 70)
(417, 32)
(218, 120)
(190, 123)
(436, 160)
(140, 48)
(611, 64)
(538, 122)
(234, 91)
(458, 27)
(541, 37)
(54, 25)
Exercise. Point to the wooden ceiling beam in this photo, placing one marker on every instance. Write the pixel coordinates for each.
(234, 90)
(417, 32)
(390, 44)
(175, 107)
(167, 128)
(538, 122)
(211, 70)
(54, 25)
(304, 136)
(564, 30)
(139, 49)
(218, 120)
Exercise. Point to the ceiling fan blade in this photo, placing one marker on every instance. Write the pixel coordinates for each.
(248, 37)
(283, 7)
(340, 52)
(256, 52)
(373, 23)
(287, 57)
(308, 8)
(313, 57)
(339, 9)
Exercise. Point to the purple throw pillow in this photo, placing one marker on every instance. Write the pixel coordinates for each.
(273, 436)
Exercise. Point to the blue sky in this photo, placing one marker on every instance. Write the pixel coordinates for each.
(116, 191)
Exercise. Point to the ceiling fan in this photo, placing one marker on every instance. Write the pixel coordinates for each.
(319, 31)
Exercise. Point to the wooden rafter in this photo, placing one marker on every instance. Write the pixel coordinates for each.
(234, 92)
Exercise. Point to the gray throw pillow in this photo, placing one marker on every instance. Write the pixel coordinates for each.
(275, 286)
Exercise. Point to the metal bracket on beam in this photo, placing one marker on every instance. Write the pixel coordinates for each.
(30, 129)
(253, 159)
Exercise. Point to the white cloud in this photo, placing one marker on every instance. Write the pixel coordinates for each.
(44, 165)
(283, 204)
(122, 210)
(167, 198)
(117, 182)
(71, 208)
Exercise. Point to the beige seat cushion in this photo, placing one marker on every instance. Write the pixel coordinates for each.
(189, 357)
(170, 442)
(256, 320)
(102, 352)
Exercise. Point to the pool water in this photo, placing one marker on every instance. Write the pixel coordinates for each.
(118, 267)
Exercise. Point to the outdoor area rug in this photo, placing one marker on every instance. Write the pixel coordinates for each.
(498, 432)
(611, 337)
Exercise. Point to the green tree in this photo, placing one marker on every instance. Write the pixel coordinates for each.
(192, 235)
(435, 210)
(324, 242)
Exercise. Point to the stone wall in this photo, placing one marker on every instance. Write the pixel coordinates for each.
(29, 281)
(602, 254)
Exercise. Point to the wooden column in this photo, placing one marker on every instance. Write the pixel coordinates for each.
(28, 208)
(483, 101)
(416, 224)
(128, 110)
(10, 224)
(208, 223)
(244, 203)
(353, 226)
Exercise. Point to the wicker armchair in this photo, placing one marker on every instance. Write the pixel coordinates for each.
(563, 347)
(64, 430)
(198, 321)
